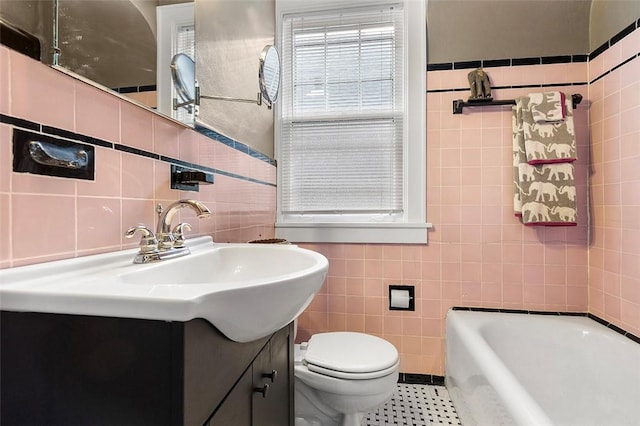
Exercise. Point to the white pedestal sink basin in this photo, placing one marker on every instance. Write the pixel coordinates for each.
(247, 291)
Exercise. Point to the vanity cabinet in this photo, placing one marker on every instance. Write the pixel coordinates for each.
(257, 398)
(82, 370)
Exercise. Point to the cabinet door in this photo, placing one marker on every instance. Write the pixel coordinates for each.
(236, 408)
(212, 366)
(271, 379)
(58, 369)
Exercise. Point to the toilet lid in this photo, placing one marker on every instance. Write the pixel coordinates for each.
(348, 355)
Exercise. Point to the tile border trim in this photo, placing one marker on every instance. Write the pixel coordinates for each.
(589, 315)
(507, 62)
(616, 38)
(66, 134)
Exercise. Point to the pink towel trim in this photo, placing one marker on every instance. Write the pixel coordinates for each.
(552, 161)
(551, 224)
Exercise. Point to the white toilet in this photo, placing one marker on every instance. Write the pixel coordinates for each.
(341, 376)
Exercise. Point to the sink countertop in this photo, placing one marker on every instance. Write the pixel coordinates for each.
(110, 284)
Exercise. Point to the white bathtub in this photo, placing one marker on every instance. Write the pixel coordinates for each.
(519, 369)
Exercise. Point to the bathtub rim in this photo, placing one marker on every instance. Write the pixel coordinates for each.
(609, 325)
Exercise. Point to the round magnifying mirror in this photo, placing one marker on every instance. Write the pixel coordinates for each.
(183, 74)
(269, 74)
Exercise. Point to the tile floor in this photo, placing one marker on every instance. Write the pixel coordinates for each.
(415, 405)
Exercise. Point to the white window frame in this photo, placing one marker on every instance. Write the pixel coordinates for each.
(412, 229)
(169, 19)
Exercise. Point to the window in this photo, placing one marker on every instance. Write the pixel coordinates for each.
(350, 135)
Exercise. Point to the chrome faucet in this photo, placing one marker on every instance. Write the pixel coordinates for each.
(166, 238)
(165, 244)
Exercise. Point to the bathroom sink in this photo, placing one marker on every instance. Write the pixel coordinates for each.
(247, 291)
(228, 265)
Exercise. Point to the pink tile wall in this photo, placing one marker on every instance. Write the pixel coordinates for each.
(478, 254)
(47, 218)
(614, 254)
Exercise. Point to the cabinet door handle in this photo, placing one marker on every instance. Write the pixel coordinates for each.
(263, 390)
(272, 375)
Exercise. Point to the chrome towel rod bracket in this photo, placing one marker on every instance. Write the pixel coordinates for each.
(459, 104)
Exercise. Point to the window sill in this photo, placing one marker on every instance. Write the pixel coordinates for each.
(364, 233)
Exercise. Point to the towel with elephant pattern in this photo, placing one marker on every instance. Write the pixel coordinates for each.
(544, 189)
(549, 137)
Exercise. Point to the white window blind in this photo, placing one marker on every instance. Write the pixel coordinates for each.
(342, 134)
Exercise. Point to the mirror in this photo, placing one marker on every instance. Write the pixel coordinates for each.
(110, 42)
(184, 80)
(183, 75)
(226, 36)
(269, 75)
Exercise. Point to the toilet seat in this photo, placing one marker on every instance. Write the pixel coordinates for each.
(348, 355)
(352, 376)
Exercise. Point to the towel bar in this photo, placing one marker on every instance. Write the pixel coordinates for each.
(459, 104)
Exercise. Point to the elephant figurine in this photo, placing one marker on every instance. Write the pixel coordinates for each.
(480, 84)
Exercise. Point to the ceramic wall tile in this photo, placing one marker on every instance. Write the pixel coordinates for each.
(165, 137)
(137, 176)
(35, 84)
(136, 129)
(42, 225)
(614, 275)
(107, 175)
(6, 157)
(99, 223)
(5, 221)
(51, 218)
(97, 113)
(5, 76)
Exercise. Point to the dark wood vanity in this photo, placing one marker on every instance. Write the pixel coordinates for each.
(82, 370)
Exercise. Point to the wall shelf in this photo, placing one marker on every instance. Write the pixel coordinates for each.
(459, 104)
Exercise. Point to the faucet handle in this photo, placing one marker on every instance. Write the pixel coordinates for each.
(148, 242)
(178, 234)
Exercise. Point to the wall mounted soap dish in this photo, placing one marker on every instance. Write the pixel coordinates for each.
(45, 155)
(186, 179)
